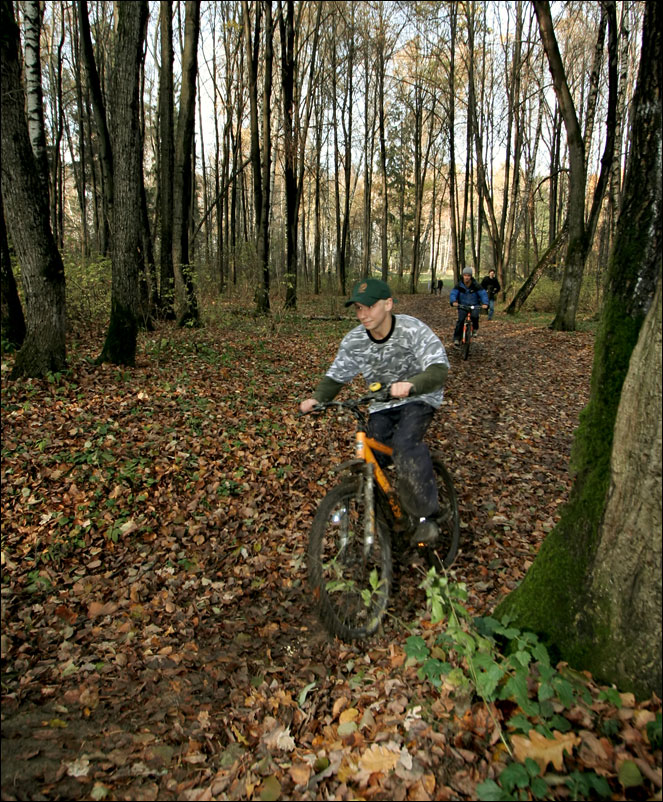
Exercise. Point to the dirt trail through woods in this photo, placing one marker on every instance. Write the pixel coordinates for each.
(178, 663)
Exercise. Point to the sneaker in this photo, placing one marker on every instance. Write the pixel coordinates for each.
(456, 343)
(425, 534)
(475, 334)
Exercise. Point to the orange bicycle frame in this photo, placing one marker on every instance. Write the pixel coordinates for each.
(364, 448)
(467, 326)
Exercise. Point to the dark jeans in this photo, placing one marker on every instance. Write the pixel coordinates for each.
(458, 331)
(403, 429)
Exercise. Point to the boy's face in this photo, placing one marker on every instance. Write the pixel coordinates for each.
(467, 279)
(373, 318)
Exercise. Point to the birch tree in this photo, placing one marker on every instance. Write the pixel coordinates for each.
(33, 87)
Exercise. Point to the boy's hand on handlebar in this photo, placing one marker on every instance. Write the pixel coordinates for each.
(401, 389)
(484, 306)
(307, 405)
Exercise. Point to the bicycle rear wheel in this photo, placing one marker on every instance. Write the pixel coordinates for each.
(350, 579)
(448, 520)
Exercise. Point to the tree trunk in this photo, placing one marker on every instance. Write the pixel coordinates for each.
(35, 97)
(127, 251)
(626, 584)
(612, 515)
(317, 192)
(260, 155)
(304, 118)
(458, 258)
(166, 162)
(580, 233)
(546, 260)
(57, 101)
(382, 58)
(12, 322)
(183, 177)
(262, 301)
(26, 207)
(421, 160)
(370, 114)
(149, 297)
(84, 168)
(288, 78)
(105, 150)
(348, 103)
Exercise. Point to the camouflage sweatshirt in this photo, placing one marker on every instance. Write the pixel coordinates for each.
(410, 352)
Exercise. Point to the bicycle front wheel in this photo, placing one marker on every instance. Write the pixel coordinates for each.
(350, 578)
(467, 338)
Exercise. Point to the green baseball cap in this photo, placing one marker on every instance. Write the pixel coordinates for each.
(368, 291)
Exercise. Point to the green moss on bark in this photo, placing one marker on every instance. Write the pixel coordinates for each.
(552, 600)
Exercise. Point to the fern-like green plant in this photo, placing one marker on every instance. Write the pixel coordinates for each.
(500, 662)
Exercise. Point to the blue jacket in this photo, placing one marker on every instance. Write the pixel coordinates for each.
(468, 296)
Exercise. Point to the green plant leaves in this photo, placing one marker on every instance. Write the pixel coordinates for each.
(415, 647)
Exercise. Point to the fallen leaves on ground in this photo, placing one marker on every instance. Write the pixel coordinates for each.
(158, 638)
(544, 750)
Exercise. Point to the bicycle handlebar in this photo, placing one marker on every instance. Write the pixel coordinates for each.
(353, 404)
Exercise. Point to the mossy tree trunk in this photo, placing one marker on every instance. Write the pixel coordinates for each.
(25, 203)
(594, 590)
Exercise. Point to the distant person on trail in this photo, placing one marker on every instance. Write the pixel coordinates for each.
(468, 293)
(440, 284)
(402, 352)
(492, 286)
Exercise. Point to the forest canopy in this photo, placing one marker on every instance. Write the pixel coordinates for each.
(302, 145)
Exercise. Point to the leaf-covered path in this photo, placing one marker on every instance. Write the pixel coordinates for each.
(158, 640)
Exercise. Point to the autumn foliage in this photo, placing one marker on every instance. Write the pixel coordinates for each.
(159, 640)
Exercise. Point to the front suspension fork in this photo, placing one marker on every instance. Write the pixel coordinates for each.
(369, 508)
(369, 494)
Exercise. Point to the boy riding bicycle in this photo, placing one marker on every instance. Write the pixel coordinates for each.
(467, 293)
(403, 352)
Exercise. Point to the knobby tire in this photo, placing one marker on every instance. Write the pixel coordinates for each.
(350, 583)
(445, 550)
(467, 338)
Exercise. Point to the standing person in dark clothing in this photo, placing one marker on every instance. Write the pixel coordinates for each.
(492, 286)
(440, 284)
(468, 293)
